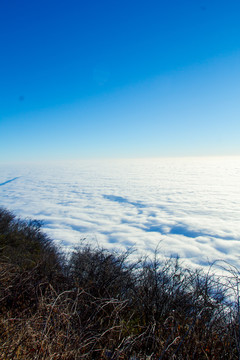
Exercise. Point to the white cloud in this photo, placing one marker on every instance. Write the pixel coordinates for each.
(190, 205)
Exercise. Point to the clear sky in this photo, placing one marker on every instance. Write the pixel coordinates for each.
(117, 78)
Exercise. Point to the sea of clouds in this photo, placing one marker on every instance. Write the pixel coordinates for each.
(185, 206)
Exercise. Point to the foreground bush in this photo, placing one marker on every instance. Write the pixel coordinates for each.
(101, 305)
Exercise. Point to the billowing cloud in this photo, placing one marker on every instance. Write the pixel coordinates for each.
(188, 206)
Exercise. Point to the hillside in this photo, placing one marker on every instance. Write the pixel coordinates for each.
(98, 304)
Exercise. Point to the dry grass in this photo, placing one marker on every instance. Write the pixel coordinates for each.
(99, 305)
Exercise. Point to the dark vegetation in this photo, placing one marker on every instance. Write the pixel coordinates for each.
(100, 305)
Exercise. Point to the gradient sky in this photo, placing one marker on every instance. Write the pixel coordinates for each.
(82, 79)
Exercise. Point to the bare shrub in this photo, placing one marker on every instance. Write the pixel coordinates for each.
(100, 305)
(102, 273)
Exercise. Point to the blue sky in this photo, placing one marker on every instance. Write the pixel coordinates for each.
(82, 79)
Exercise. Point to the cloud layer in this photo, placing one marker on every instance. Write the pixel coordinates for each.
(188, 206)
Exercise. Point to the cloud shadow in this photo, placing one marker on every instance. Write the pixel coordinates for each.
(122, 200)
(8, 181)
(183, 230)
